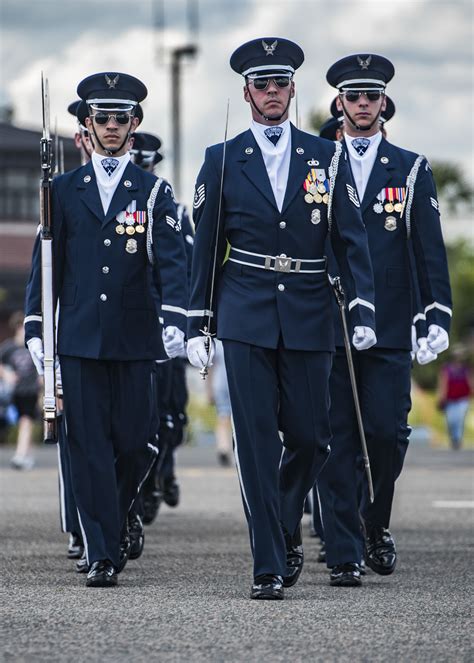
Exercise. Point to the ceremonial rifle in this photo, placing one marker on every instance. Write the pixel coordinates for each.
(49, 398)
(340, 298)
(207, 328)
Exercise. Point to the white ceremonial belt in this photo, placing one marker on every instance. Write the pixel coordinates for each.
(281, 263)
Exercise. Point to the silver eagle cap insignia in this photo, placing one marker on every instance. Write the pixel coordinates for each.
(364, 64)
(269, 48)
(112, 82)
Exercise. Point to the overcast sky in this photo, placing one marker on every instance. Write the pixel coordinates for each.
(429, 42)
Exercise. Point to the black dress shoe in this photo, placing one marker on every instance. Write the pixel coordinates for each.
(322, 554)
(294, 557)
(171, 491)
(124, 552)
(380, 551)
(345, 575)
(151, 502)
(101, 574)
(267, 588)
(75, 546)
(136, 533)
(81, 565)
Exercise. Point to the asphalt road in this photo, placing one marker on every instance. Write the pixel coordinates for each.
(186, 598)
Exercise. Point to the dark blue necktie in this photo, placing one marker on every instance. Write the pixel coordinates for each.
(273, 134)
(360, 145)
(109, 165)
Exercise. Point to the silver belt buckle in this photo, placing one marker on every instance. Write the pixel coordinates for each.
(282, 264)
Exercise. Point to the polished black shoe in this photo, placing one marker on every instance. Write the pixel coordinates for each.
(124, 552)
(294, 557)
(151, 504)
(322, 554)
(345, 575)
(81, 565)
(136, 533)
(380, 552)
(101, 574)
(267, 588)
(171, 491)
(75, 546)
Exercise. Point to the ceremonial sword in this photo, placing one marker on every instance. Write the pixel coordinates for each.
(340, 298)
(207, 328)
(49, 398)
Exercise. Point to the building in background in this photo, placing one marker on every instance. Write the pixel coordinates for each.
(19, 209)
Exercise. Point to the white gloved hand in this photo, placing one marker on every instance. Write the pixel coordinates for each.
(35, 346)
(363, 338)
(197, 352)
(424, 354)
(173, 341)
(438, 339)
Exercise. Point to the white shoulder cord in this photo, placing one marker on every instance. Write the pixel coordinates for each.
(150, 207)
(411, 179)
(333, 168)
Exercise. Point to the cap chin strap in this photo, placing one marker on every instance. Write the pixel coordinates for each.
(357, 126)
(275, 118)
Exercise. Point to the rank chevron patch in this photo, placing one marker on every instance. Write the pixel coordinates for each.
(434, 203)
(199, 196)
(353, 195)
(176, 225)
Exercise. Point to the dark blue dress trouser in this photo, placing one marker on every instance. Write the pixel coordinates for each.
(108, 414)
(271, 391)
(383, 381)
(67, 504)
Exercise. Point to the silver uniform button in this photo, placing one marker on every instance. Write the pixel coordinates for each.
(282, 224)
(107, 242)
(281, 287)
(103, 298)
(105, 270)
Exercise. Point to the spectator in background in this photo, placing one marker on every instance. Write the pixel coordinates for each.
(19, 370)
(218, 391)
(454, 390)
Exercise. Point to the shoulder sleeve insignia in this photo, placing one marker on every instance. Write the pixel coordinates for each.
(199, 196)
(434, 203)
(353, 195)
(175, 225)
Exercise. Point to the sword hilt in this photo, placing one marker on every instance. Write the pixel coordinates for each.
(204, 372)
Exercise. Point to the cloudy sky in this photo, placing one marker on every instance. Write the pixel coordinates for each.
(429, 42)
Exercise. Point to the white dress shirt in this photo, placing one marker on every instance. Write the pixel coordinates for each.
(362, 165)
(276, 157)
(108, 183)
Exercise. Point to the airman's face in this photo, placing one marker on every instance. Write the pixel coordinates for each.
(271, 101)
(112, 134)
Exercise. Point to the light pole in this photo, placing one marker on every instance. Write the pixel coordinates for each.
(177, 55)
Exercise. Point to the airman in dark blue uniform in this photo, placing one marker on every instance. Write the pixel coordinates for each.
(110, 220)
(401, 213)
(283, 192)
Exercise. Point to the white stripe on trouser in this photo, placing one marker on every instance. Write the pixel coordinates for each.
(148, 470)
(239, 473)
(62, 497)
(84, 537)
(319, 507)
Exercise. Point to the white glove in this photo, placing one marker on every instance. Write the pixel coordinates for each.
(424, 354)
(35, 346)
(438, 339)
(197, 352)
(363, 338)
(173, 340)
(59, 380)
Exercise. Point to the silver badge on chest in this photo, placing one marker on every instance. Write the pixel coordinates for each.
(315, 216)
(390, 223)
(131, 246)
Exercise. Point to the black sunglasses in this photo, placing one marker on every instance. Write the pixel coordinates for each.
(263, 83)
(103, 117)
(354, 95)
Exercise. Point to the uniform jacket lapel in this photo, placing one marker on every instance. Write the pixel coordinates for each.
(380, 175)
(123, 194)
(89, 191)
(298, 168)
(254, 167)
